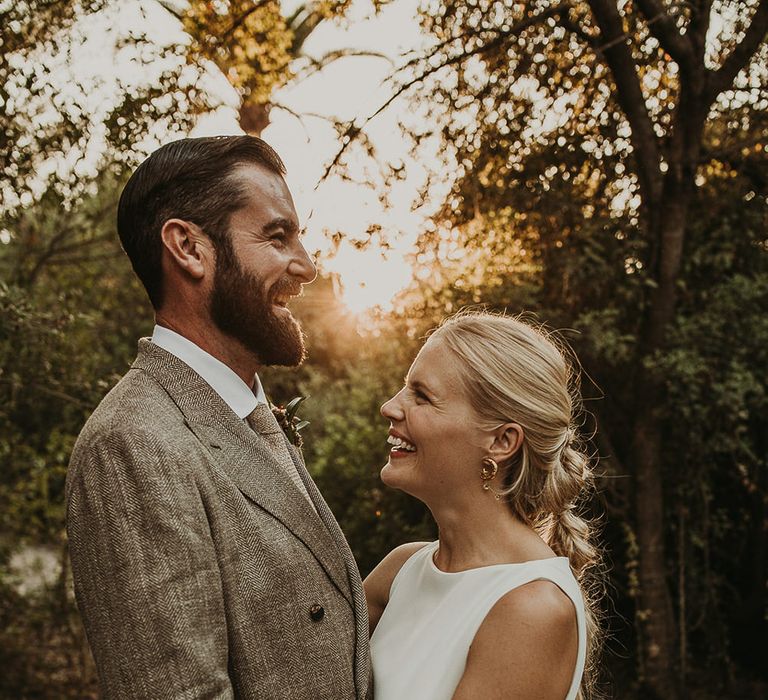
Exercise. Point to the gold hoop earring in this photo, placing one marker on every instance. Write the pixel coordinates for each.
(487, 473)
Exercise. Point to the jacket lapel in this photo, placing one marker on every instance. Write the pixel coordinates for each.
(247, 460)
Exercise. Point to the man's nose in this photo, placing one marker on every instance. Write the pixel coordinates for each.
(302, 266)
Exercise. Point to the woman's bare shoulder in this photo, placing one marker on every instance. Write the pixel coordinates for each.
(384, 573)
(542, 602)
(379, 582)
(526, 646)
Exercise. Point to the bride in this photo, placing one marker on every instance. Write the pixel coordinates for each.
(483, 433)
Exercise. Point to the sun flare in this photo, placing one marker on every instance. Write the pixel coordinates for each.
(367, 280)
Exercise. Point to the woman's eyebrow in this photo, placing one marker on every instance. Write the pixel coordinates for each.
(421, 386)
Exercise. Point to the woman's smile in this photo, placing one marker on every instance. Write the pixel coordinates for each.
(400, 446)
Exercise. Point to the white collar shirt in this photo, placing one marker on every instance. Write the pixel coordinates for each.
(223, 380)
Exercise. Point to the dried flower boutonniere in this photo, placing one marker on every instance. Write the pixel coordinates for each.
(290, 423)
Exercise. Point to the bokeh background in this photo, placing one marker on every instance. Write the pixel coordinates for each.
(597, 164)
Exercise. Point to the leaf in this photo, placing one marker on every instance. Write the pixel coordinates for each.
(293, 406)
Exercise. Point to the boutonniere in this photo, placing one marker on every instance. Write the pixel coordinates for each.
(290, 423)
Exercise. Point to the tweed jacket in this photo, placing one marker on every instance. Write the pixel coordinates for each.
(200, 569)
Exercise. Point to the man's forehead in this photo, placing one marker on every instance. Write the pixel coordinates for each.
(256, 174)
(266, 190)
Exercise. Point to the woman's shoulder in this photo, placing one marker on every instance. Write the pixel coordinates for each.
(543, 601)
(379, 582)
(386, 571)
(540, 602)
(545, 662)
(401, 554)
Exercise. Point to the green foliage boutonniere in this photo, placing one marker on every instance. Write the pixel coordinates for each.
(290, 423)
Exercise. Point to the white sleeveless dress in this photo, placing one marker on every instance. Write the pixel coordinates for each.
(420, 645)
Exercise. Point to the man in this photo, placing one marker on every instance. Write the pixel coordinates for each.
(206, 563)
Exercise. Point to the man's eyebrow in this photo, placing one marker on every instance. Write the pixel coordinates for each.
(281, 223)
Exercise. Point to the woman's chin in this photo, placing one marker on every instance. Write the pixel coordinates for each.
(396, 477)
(390, 475)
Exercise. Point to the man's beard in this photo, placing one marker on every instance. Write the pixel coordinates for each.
(241, 307)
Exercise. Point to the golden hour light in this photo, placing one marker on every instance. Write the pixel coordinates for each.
(407, 349)
(368, 280)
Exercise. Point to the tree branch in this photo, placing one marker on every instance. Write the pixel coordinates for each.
(576, 29)
(52, 392)
(171, 9)
(618, 56)
(723, 78)
(474, 33)
(662, 25)
(239, 21)
(699, 26)
(302, 28)
(560, 11)
(317, 64)
(737, 147)
(353, 129)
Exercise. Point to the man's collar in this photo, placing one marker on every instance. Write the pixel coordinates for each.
(221, 378)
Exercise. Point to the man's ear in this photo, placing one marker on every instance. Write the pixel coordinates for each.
(507, 439)
(189, 249)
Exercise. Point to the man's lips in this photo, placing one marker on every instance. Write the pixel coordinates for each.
(283, 296)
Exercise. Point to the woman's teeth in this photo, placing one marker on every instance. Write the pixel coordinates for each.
(400, 444)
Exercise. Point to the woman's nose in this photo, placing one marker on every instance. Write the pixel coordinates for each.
(392, 409)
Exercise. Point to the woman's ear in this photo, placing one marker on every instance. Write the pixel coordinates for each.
(187, 247)
(507, 439)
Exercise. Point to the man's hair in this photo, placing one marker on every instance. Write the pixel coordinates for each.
(192, 180)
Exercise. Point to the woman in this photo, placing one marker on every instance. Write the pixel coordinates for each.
(483, 433)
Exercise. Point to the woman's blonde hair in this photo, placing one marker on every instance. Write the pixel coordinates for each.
(516, 372)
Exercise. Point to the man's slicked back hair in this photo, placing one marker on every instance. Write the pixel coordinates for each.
(192, 180)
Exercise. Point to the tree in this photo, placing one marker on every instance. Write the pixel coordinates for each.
(256, 47)
(590, 127)
(54, 133)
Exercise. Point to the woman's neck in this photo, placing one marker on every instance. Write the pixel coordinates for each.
(486, 534)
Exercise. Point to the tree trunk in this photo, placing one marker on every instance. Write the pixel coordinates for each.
(668, 220)
(654, 613)
(253, 117)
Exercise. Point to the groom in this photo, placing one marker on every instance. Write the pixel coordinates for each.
(206, 562)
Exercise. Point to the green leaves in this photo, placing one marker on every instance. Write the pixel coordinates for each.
(293, 406)
(289, 421)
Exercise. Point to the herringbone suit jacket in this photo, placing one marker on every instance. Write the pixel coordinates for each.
(200, 569)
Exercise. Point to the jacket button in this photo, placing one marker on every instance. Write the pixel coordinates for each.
(317, 612)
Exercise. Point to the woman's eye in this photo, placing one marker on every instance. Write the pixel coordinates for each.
(418, 395)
